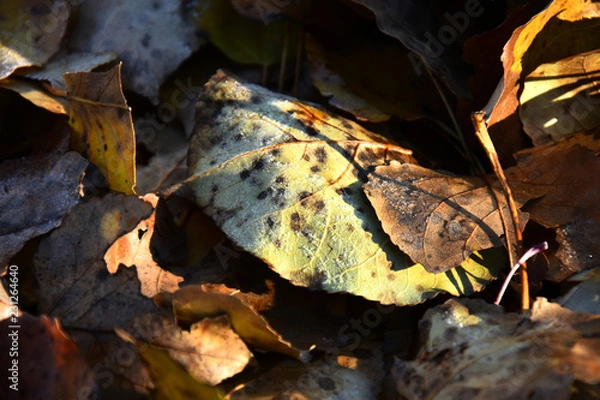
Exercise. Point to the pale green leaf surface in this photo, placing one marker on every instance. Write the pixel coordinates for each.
(283, 180)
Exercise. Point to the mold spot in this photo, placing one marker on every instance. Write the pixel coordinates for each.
(315, 169)
(319, 205)
(280, 180)
(277, 243)
(321, 154)
(326, 383)
(303, 195)
(259, 165)
(391, 277)
(311, 131)
(244, 174)
(270, 222)
(295, 224)
(263, 195)
(255, 99)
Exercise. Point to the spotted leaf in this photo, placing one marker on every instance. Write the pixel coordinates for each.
(283, 180)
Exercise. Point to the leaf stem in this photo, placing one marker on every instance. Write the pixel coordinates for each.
(478, 119)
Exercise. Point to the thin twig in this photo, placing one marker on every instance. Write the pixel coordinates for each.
(530, 253)
(481, 131)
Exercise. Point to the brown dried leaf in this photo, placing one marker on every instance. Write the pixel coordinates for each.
(561, 98)
(564, 29)
(439, 220)
(563, 178)
(475, 350)
(101, 124)
(191, 303)
(28, 183)
(75, 285)
(134, 249)
(210, 351)
(31, 32)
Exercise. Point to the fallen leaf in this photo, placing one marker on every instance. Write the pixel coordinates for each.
(192, 303)
(283, 180)
(475, 350)
(561, 98)
(210, 351)
(583, 298)
(565, 28)
(47, 362)
(561, 177)
(151, 37)
(53, 71)
(37, 95)
(368, 79)
(75, 285)
(439, 220)
(242, 40)
(172, 380)
(31, 32)
(134, 249)
(101, 124)
(28, 183)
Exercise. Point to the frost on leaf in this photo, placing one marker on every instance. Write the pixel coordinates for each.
(283, 179)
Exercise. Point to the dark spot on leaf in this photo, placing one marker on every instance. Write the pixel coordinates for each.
(270, 222)
(244, 174)
(280, 180)
(105, 147)
(255, 99)
(277, 243)
(146, 40)
(279, 197)
(303, 195)
(259, 165)
(319, 205)
(315, 169)
(306, 157)
(391, 277)
(344, 191)
(439, 357)
(305, 232)
(373, 274)
(295, 224)
(275, 153)
(349, 227)
(346, 124)
(326, 383)
(215, 188)
(238, 137)
(263, 195)
(321, 154)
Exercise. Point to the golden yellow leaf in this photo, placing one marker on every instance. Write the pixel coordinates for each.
(102, 125)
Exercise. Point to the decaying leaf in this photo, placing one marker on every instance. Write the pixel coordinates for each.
(31, 32)
(151, 37)
(562, 177)
(35, 94)
(283, 180)
(210, 351)
(583, 298)
(564, 29)
(561, 98)
(439, 220)
(102, 127)
(75, 285)
(192, 303)
(28, 183)
(134, 249)
(172, 381)
(475, 350)
(49, 364)
(53, 71)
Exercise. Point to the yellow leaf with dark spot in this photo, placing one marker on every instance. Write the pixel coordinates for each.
(283, 180)
(102, 125)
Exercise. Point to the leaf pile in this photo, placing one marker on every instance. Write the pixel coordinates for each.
(172, 232)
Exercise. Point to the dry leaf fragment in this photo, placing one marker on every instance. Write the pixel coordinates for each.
(31, 32)
(36, 94)
(151, 37)
(439, 220)
(102, 125)
(192, 303)
(561, 98)
(283, 180)
(134, 249)
(210, 351)
(475, 350)
(28, 183)
(562, 177)
(75, 285)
